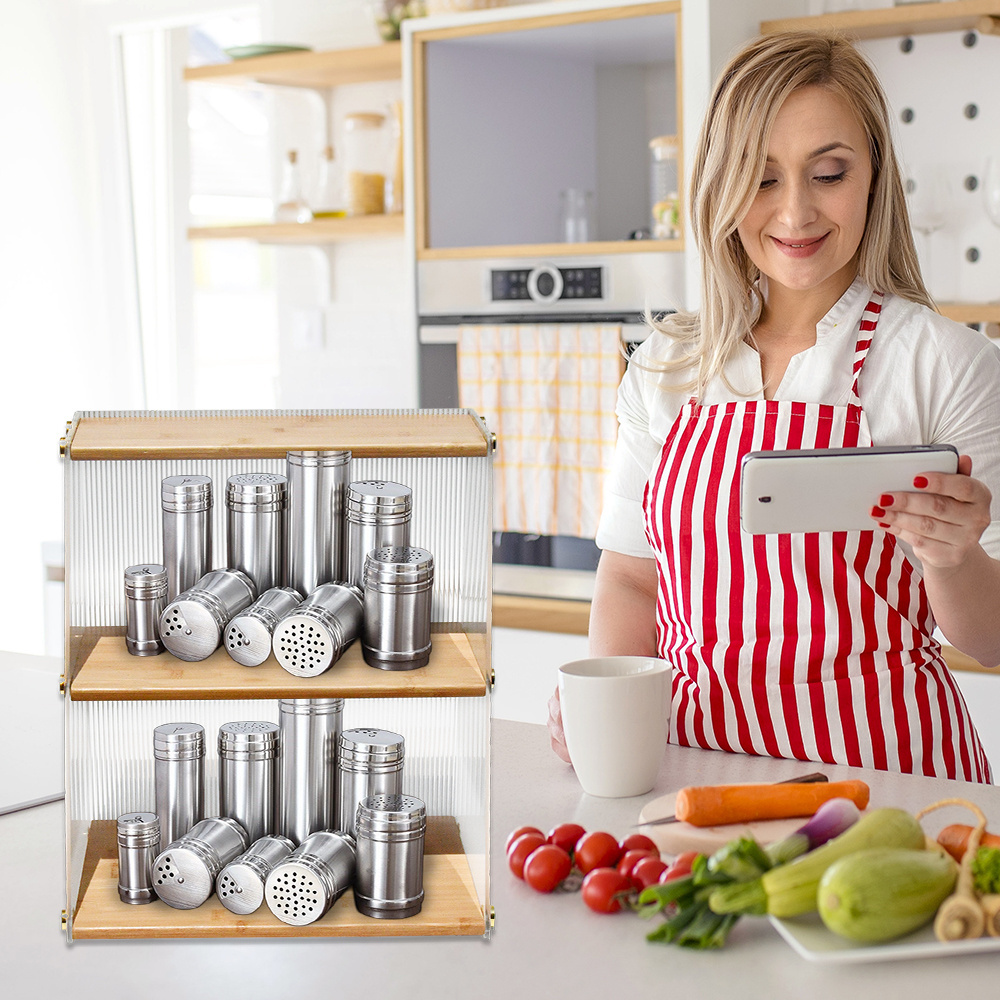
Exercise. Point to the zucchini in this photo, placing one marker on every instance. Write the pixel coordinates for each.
(883, 892)
(791, 889)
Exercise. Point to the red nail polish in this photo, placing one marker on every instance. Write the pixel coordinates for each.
(882, 524)
(878, 512)
(885, 500)
(919, 482)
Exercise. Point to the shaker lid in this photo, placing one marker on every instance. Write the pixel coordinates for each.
(181, 493)
(320, 459)
(393, 811)
(378, 495)
(179, 738)
(240, 887)
(146, 577)
(248, 736)
(370, 746)
(398, 564)
(248, 640)
(255, 489)
(181, 877)
(138, 829)
(189, 630)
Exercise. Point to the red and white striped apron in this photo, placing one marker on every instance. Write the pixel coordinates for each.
(814, 646)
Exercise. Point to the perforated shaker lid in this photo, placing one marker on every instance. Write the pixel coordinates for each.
(138, 829)
(257, 491)
(364, 749)
(179, 741)
(397, 565)
(378, 497)
(248, 640)
(189, 628)
(146, 580)
(182, 877)
(322, 459)
(186, 493)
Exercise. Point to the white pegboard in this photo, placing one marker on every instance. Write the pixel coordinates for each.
(937, 80)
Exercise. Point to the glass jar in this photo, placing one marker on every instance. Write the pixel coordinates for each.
(292, 206)
(664, 187)
(328, 201)
(365, 156)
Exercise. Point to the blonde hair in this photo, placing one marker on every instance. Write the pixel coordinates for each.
(728, 168)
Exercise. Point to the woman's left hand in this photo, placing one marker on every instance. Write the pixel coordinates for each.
(944, 517)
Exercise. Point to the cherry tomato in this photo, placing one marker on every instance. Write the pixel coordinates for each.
(566, 835)
(546, 867)
(648, 871)
(517, 833)
(520, 850)
(596, 850)
(639, 842)
(680, 867)
(630, 859)
(604, 889)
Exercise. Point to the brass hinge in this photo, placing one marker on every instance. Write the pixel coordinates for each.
(493, 917)
(62, 683)
(493, 442)
(64, 920)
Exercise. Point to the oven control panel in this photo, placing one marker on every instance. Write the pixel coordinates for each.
(546, 283)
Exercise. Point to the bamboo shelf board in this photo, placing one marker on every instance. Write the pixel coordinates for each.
(906, 19)
(451, 906)
(971, 312)
(541, 614)
(111, 673)
(330, 68)
(412, 434)
(358, 227)
(550, 249)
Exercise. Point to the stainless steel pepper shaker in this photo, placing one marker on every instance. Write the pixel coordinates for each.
(309, 729)
(191, 626)
(145, 598)
(396, 634)
(248, 635)
(369, 762)
(248, 775)
(317, 484)
(390, 847)
(315, 635)
(240, 885)
(138, 846)
(179, 777)
(184, 872)
(256, 505)
(304, 886)
(378, 514)
(186, 503)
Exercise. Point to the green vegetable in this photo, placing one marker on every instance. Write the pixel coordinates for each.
(883, 893)
(986, 871)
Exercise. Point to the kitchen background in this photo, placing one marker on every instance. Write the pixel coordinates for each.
(110, 156)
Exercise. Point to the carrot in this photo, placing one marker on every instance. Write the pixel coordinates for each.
(717, 805)
(955, 838)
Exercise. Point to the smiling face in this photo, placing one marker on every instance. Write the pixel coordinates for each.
(807, 219)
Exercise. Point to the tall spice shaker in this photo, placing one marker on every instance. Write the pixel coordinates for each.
(248, 635)
(191, 625)
(390, 878)
(378, 514)
(138, 846)
(317, 484)
(256, 507)
(145, 598)
(248, 775)
(186, 503)
(179, 777)
(396, 634)
(369, 762)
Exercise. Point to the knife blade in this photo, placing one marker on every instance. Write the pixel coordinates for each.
(805, 779)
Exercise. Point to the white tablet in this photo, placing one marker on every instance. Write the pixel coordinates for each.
(829, 489)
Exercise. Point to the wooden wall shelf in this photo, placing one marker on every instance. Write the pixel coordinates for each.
(551, 249)
(361, 227)
(971, 312)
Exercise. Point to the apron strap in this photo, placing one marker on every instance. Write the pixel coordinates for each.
(869, 320)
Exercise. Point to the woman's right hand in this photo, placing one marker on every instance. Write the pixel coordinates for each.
(556, 734)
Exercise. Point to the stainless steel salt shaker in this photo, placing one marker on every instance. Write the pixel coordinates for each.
(304, 886)
(248, 635)
(186, 503)
(256, 505)
(378, 514)
(396, 634)
(309, 730)
(390, 847)
(248, 775)
(138, 846)
(317, 484)
(145, 598)
(315, 635)
(240, 885)
(179, 777)
(369, 762)
(184, 872)
(191, 626)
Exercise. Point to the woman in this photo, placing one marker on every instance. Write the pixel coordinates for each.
(815, 331)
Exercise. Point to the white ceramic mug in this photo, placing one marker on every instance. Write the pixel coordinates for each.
(616, 714)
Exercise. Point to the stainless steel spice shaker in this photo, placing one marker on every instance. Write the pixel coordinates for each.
(191, 626)
(248, 635)
(184, 872)
(369, 762)
(317, 484)
(314, 636)
(256, 505)
(240, 885)
(145, 598)
(179, 777)
(396, 634)
(186, 503)
(390, 847)
(248, 775)
(304, 886)
(378, 514)
(138, 846)
(309, 730)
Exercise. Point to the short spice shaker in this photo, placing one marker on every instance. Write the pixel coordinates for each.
(138, 846)
(256, 507)
(396, 634)
(248, 775)
(184, 872)
(179, 777)
(315, 635)
(191, 626)
(145, 598)
(378, 514)
(369, 762)
(240, 885)
(304, 886)
(248, 635)
(186, 503)
(390, 846)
